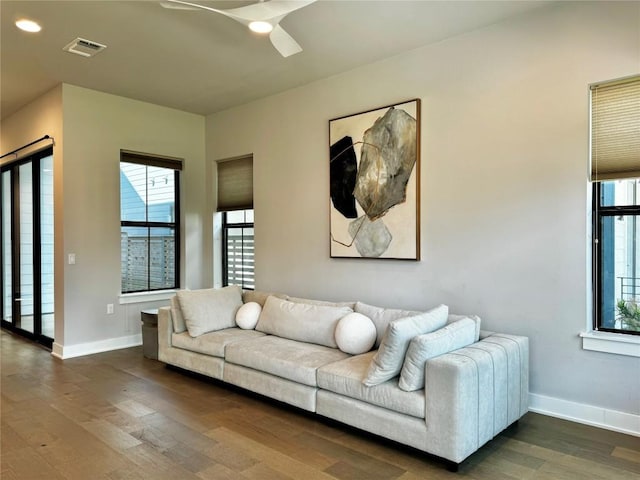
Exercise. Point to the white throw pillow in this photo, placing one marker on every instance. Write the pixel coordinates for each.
(210, 309)
(387, 362)
(455, 335)
(355, 334)
(247, 315)
(301, 321)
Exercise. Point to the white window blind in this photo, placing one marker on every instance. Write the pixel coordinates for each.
(615, 130)
(235, 184)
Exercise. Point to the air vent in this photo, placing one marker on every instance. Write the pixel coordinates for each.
(85, 48)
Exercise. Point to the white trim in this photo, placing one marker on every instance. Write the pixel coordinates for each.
(143, 297)
(70, 351)
(607, 342)
(622, 422)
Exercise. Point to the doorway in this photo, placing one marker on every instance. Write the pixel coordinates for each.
(26, 247)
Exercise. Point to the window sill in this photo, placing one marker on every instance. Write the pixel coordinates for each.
(607, 342)
(143, 297)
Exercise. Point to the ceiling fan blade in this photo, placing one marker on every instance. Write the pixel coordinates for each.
(267, 10)
(176, 6)
(271, 10)
(283, 42)
(180, 5)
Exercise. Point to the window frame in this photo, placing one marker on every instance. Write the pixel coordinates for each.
(599, 212)
(225, 252)
(176, 166)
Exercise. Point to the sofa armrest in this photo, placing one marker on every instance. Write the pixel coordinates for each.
(165, 330)
(474, 393)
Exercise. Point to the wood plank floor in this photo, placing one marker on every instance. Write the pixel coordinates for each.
(119, 416)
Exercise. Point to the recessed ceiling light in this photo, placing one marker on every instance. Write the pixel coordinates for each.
(260, 27)
(28, 25)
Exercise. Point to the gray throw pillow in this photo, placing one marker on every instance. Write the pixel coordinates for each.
(454, 318)
(453, 336)
(382, 317)
(387, 362)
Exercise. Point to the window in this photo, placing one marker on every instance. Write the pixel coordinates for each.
(235, 205)
(149, 222)
(617, 255)
(615, 171)
(238, 249)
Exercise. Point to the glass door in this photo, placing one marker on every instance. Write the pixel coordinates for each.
(27, 247)
(6, 247)
(23, 295)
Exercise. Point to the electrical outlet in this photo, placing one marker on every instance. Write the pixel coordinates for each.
(109, 308)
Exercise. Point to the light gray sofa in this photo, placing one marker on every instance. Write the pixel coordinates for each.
(470, 394)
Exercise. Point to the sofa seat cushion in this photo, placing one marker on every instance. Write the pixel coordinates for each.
(213, 343)
(345, 378)
(290, 359)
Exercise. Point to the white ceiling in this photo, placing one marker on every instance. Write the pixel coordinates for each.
(203, 62)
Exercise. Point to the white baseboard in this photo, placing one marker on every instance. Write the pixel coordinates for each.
(587, 414)
(70, 351)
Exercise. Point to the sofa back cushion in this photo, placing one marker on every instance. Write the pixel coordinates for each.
(301, 321)
(453, 336)
(258, 296)
(387, 362)
(176, 316)
(382, 317)
(211, 309)
(325, 303)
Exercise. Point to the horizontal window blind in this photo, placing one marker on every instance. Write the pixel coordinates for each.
(235, 184)
(615, 130)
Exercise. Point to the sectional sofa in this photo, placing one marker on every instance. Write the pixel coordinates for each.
(430, 380)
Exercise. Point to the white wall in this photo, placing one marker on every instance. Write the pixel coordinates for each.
(504, 208)
(42, 117)
(95, 126)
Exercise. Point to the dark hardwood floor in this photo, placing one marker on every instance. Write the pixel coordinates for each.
(119, 416)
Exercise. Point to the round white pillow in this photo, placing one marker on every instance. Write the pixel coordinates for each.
(355, 333)
(247, 315)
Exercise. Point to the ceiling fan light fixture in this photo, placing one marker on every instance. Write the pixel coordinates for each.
(28, 25)
(260, 27)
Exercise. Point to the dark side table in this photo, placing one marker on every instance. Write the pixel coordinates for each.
(150, 333)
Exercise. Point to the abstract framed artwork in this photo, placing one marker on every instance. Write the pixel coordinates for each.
(374, 159)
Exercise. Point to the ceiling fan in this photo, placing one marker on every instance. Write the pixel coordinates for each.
(262, 17)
